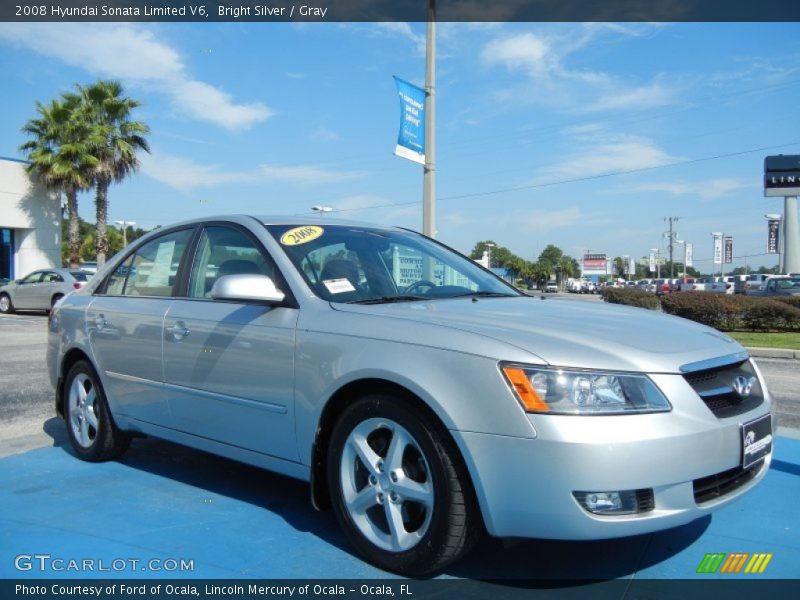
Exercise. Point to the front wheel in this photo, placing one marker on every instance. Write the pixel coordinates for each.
(90, 428)
(399, 488)
(6, 306)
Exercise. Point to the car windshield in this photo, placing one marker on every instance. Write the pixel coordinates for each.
(366, 265)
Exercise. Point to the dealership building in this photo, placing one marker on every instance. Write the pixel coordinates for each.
(30, 223)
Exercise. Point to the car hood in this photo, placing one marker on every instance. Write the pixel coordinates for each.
(567, 333)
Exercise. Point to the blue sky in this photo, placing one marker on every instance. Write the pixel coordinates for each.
(269, 118)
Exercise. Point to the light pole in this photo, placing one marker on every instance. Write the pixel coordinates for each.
(779, 218)
(125, 225)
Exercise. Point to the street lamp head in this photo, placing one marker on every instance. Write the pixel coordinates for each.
(773, 216)
(321, 209)
(716, 233)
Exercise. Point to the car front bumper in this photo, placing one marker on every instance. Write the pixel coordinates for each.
(525, 486)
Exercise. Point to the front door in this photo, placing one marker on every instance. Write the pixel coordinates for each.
(229, 366)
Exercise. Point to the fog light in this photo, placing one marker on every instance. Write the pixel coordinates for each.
(625, 502)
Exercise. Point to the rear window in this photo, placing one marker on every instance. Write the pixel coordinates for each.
(79, 275)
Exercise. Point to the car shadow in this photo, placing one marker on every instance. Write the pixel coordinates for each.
(543, 564)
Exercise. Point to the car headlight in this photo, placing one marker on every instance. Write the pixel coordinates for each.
(577, 392)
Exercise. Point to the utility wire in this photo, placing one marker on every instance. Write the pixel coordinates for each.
(578, 179)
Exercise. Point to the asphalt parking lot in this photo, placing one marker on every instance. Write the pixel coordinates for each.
(162, 502)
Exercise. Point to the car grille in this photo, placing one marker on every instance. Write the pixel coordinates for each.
(715, 388)
(644, 500)
(718, 485)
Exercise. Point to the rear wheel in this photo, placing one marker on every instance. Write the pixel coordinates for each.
(399, 488)
(6, 306)
(90, 428)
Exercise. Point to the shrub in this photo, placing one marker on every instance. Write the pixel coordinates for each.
(703, 307)
(630, 297)
(771, 313)
(790, 300)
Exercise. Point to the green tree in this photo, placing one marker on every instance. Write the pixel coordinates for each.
(60, 158)
(114, 139)
(551, 256)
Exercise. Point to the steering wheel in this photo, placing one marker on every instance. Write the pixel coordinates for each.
(418, 284)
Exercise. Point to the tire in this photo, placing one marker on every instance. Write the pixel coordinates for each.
(91, 430)
(54, 299)
(6, 306)
(372, 501)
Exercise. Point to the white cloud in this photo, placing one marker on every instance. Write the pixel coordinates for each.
(325, 134)
(403, 30)
(546, 58)
(136, 56)
(706, 190)
(185, 174)
(617, 154)
(646, 96)
(538, 221)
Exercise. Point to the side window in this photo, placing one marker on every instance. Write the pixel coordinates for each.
(226, 251)
(152, 270)
(115, 284)
(33, 278)
(52, 278)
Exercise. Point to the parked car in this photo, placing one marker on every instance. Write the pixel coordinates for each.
(41, 289)
(648, 285)
(661, 286)
(703, 284)
(779, 285)
(424, 399)
(752, 283)
(89, 266)
(551, 288)
(684, 284)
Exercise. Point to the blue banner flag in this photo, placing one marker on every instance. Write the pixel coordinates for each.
(411, 139)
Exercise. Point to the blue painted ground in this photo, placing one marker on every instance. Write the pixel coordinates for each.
(163, 501)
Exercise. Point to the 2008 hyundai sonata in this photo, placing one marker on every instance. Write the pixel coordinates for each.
(423, 398)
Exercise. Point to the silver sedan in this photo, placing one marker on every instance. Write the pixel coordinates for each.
(423, 398)
(41, 289)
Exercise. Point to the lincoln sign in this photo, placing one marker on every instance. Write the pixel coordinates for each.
(782, 175)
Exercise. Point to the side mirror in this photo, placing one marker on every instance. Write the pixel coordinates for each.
(248, 288)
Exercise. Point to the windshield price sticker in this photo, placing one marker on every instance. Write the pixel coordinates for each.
(339, 286)
(301, 235)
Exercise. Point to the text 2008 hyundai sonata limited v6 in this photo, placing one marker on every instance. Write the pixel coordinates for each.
(423, 398)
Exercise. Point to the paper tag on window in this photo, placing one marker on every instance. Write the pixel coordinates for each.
(339, 286)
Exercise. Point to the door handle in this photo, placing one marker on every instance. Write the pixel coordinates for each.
(178, 331)
(100, 322)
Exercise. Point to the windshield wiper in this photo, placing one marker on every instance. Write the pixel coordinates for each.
(483, 294)
(390, 299)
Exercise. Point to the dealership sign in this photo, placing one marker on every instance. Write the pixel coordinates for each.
(594, 264)
(717, 249)
(689, 256)
(773, 235)
(728, 250)
(782, 175)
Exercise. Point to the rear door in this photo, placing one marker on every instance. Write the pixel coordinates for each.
(125, 323)
(229, 366)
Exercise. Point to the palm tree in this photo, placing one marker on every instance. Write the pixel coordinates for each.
(115, 140)
(60, 159)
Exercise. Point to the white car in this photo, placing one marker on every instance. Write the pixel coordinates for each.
(551, 288)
